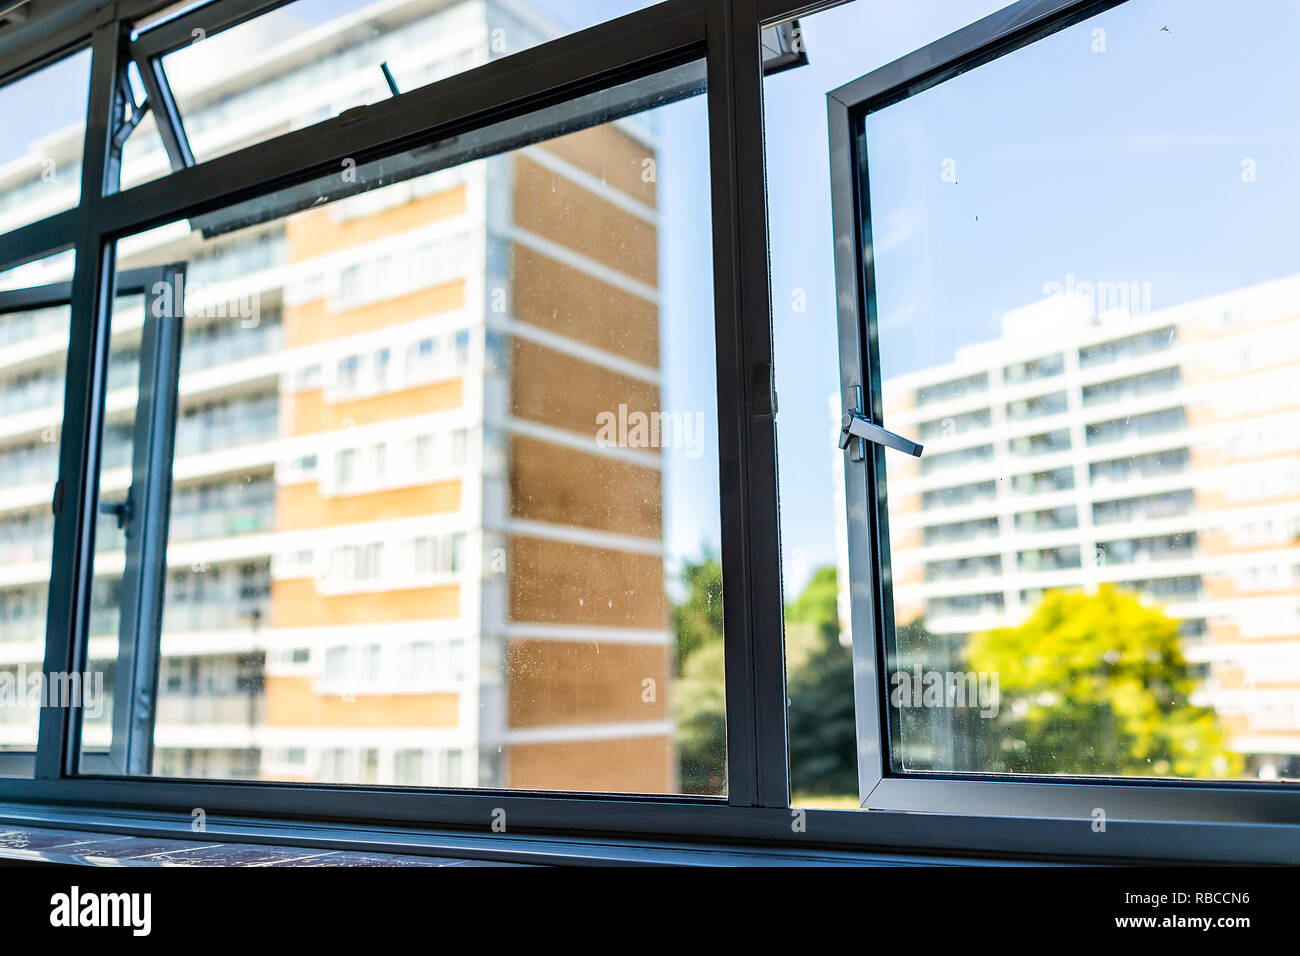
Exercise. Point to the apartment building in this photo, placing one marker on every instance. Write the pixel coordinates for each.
(1154, 450)
(397, 553)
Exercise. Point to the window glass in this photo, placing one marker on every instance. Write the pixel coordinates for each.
(1156, 497)
(312, 59)
(499, 568)
(33, 356)
(43, 116)
(1128, 602)
(842, 43)
(119, 517)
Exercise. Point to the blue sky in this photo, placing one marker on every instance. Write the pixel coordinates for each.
(43, 103)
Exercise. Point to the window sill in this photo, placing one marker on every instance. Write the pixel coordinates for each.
(99, 837)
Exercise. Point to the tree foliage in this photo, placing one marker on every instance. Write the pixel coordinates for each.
(1097, 684)
(698, 702)
(697, 621)
(819, 685)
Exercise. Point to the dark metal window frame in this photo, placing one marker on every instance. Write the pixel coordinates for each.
(756, 809)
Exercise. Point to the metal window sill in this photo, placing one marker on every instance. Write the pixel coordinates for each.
(98, 837)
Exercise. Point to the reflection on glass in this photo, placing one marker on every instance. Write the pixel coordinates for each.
(843, 41)
(126, 322)
(444, 496)
(312, 59)
(1096, 563)
(43, 116)
(33, 355)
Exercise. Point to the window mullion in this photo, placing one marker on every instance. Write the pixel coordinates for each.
(74, 494)
(757, 753)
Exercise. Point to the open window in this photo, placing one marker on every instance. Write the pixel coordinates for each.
(1059, 603)
(134, 483)
(35, 329)
(417, 457)
(181, 102)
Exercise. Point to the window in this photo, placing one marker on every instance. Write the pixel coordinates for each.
(1033, 369)
(337, 48)
(604, 518)
(425, 555)
(1118, 580)
(36, 325)
(410, 768)
(1054, 404)
(336, 663)
(43, 115)
(345, 467)
(372, 663)
(419, 360)
(349, 377)
(432, 469)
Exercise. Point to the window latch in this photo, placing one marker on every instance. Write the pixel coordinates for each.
(121, 510)
(855, 424)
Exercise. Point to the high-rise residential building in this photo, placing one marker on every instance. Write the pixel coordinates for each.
(390, 506)
(1157, 451)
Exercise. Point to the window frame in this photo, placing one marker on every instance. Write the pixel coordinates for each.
(881, 787)
(150, 467)
(726, 34)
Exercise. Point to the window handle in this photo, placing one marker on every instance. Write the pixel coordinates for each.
(121, 510)
(856, 425)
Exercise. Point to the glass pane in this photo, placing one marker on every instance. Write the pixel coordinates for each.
(33, 355)
(842, 43)
(115, 491)
(310, 60)
(445, 496)
(1088, 308)
(143, 156)
(43, 116)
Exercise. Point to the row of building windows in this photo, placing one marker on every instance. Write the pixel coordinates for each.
(205, 346)
(414, 559)
(1109, 471)
(1181, 588)
(387, 669)
(1057, 440)
(202, 427)
(1102, 353)
(392, 462)
(1168, 504)
(424, 360)
(1067, 557)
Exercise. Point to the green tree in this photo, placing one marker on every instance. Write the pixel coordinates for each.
(697, 621)
(1097, 684)
(702, 722)
(819, 685)
(698, 702)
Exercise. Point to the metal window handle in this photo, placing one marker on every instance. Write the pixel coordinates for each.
(856, 425)
(121, 510)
